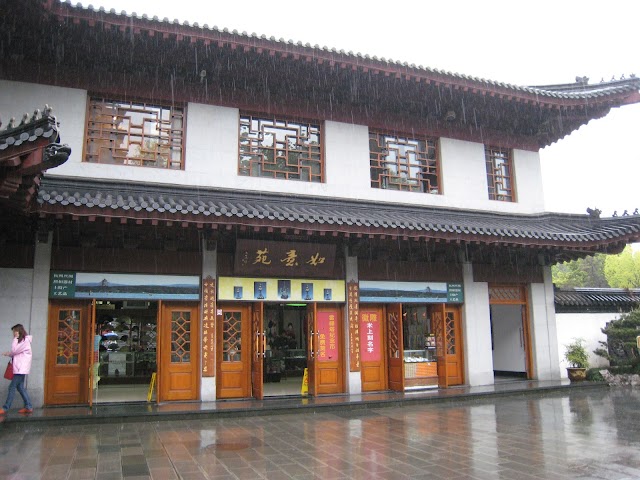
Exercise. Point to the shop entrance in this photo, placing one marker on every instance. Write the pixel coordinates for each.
(106, 351)
(285, 355)
(421, 345)
(265, 348)
(510, 339)
(126, 333)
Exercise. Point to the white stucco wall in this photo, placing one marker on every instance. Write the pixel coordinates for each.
(16, 285)
(476, 330)
(212, 151)
(583, 325)
(543, 329)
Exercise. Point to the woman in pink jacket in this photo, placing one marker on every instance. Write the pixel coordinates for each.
(21, 358)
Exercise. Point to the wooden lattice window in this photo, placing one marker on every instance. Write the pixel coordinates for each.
(507, 294)
(399, 163)
(232, 336)
(135, 133)
(276, 148)
(68, 352)
(499, 174)
(393, 343)
(181, 337)
(450, 333)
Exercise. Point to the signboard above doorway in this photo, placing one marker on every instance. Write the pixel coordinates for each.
(285, 259)
(123, 286)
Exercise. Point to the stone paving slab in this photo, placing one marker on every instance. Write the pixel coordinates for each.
(109, 413)
(571, 433)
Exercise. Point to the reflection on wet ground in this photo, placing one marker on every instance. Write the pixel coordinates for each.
(574, 433)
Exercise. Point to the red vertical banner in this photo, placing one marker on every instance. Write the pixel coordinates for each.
(327, 325)
(353, 313)
(208, 327)
(370, 336)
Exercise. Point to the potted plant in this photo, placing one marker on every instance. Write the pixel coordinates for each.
(578, 359)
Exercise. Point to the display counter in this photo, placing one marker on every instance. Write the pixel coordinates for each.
(420, 369)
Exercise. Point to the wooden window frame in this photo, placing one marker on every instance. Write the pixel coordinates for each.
(253, 161)
(500, 177)
(427, 163)
(162, 146)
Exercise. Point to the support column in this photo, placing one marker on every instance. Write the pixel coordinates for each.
(544, 333)
(209, 268)
(476, 330)
(38, 319)
(354, 381)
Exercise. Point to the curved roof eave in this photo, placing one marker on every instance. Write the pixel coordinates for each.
(624, 91)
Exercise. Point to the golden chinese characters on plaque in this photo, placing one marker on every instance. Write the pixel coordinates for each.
(353, 309)
(208, 327)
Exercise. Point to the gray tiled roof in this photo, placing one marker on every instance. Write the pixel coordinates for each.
(31, 128)
(611, 299)
(579, 92)
(77, 197)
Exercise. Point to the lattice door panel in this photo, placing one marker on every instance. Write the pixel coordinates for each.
(450, 333)
(180, 337)
(438, 331)
(232, 336)
(512, 294)
(394, 334)
(68, 350)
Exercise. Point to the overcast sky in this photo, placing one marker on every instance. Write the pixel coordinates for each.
(523, 43)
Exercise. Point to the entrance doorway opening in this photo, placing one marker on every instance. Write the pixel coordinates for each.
(125, 338)
(508, 342)
(285, 357)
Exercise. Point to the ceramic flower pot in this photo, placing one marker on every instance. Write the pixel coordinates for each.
(576, 374)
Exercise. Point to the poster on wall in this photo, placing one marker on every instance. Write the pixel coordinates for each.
(328, 350)
(123, 286)
(279, 290)
(410, 292)
(370, 337)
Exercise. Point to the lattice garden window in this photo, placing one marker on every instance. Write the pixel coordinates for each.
(135, 133)
(399, 163)
(280, 149)
(499, 174)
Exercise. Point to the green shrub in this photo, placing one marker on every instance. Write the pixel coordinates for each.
(576, 354)
(594, 375)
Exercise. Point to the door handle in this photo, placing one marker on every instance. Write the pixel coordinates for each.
(264, 344)
(311, 344)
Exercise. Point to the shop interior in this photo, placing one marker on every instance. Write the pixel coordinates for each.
(125, 340)
(420, 366)
(285, 349)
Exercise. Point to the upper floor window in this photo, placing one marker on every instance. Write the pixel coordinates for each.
(135, 133)
(499, 174)
(399, 163)
(276, 148)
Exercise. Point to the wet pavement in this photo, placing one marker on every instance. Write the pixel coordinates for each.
(562, 433)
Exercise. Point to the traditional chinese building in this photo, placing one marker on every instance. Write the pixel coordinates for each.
(239, 211)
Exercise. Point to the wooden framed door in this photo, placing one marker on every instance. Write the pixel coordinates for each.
(373, 367)
(233, 362)
(67, 365)
(179, 355)
(94, 353)
(259, 345)
(312, 349)
(395, 347)
(438, 322)
(329, 373)
(453, 345)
